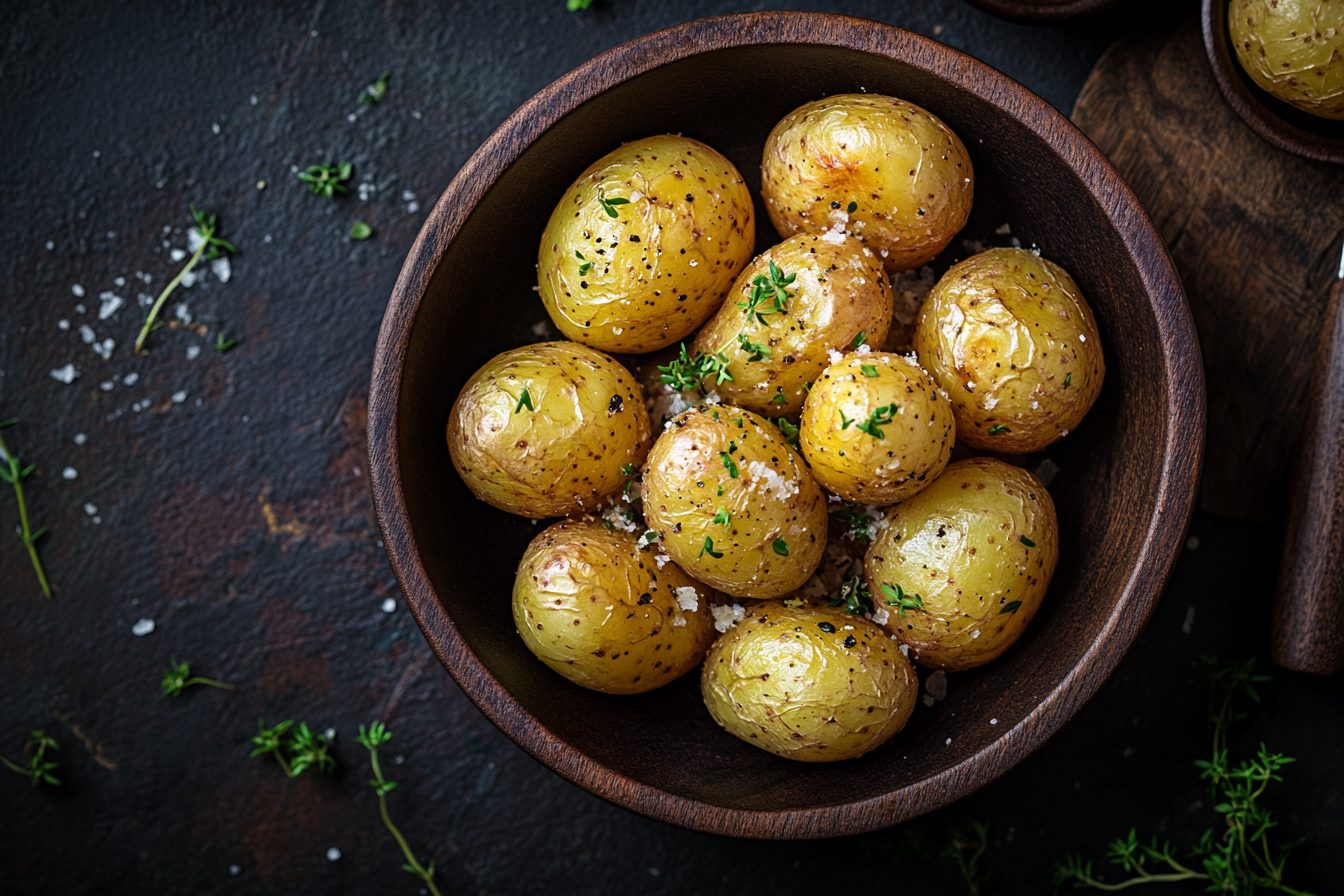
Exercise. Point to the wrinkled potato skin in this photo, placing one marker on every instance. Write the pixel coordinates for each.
(691, 213)
(839, 291)
(577, 605)
(779, 682)
(958, 545)
(1294, 49)
(677, 506)
(566, 455)
(851, 463)
(908, 174)
(1002, 331)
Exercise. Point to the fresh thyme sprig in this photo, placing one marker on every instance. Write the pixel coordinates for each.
(374, 92)
(685, 372)
(39, 769)
(209, 244)
(576, 5)
(789, 430)
(856, 524)
(771, 288)
(965, 849)
(296, 753)
(223, 344)
(853, 596)
(756, 351)
(1235, 856)
(902, 600)
(881, 416)
(14, 472)
(327, 180)
(377, 735)
(177, 678)
(609, 205)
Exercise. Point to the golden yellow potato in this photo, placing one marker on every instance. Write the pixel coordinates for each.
(735, 505)
(962, 566)
(1009, 336)
(644, 245)
(546, 429)
(810, 295)
(886, 170)
(1294, 49)
(808, 683)
(595, 608)
(876, 429)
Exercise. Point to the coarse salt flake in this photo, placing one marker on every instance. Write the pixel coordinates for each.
(389, 605)
(69, 473)
(177, 254)
(687, 598)
(86, 333)
(193, 352)
(333, 854)
(66, 374)
(833, 356)
(90, 509)
(725, 617)
(142, 628)
(77, 290)
(678, 621)
(62, 324)
(80, 438)
(880, 616)
(179, 397)
(221, 268)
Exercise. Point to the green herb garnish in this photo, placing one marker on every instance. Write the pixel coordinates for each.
(588, 266)
(781, 547)
(177, 678)
(708, 548)
(629, 469)
(1068, 378)
(780, 398)
(853, 207)
(1010, 607)
(729, 462)
(575, 5)
(360, 231)
(898, 598)
(609, 205)
(14, 472)
(1026, 541)
(327, 180)
(858, 340)
(377, 735)
(844, 420)
(769, 289)
(647, 539)
(756, 351)
(997, 429)
(789, 430)
(856, 522)
(223, 343)
(686, 373)
(39, 770)
(210, 245)
(853, 596)
(868, 370)
(374, 92)
(524, 401)
(723, 517)
(880, 417)
(295, 753)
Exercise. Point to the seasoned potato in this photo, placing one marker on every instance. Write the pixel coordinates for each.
(644, 245)
(963, 565)
(735, 505)
(545, 430)
(595, 608)
(1010, 338)
(1294, 49)
(807, 296)
(808, 683)
(876, 429)
(886, 170)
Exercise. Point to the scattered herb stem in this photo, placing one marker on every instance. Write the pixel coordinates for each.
(964, 851)
(14, 473)
(39, 769)
(206, 228)
(377, 735)
(177, 678)
(305, 748)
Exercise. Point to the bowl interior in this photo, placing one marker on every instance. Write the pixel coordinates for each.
(664, 753)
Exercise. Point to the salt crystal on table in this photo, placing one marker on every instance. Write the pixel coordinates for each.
(111, 304)
(221, 268)
(177, 254)
(50, 245)
(333, 854)
(62, 324)
(407, 196)
(389, 605)
(413, 207)
(69, 473)
(215, 128)
(78, 291)
(193, 352)
(142, 628)
(182, 313)
(235, 869)
(80, 438)
(179, 397)
(66, 374)
(86, 333)
(120, 281)
(130, 378)
(107, 385)
(90, 509)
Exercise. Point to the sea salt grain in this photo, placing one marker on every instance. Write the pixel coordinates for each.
(333, 854)
(80, 438)
(110, 304)
(687, 598)
(389, 605)
(62, 324)
(120, 281)
(69, 473)
(131, 379)
(193, 352)
(235, 869)
(90, 510)
(86, 333)
(221, 268)
(993, 721)
(1189, 624)
(66, 374)
(179, 397)
(177, 254)
(107, 385)
(142, 628)
(78, 291)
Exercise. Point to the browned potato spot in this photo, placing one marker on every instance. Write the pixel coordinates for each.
(886, 170)
(1010, 338)
(962, 567)
(546, 429)
(791, 307)
(644, 245)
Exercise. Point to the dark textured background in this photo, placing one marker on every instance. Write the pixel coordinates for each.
(239, 518)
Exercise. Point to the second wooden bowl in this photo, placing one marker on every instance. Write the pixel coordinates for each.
(1124, 491)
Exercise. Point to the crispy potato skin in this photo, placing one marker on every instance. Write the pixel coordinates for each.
(853, 463)
(959, 545)
(592, 606)
(696, 457)
(564, 456)
(839, 291)
(1009, 336)
(780, 682)
(662, 266)
(1294, 49)
(908, 175)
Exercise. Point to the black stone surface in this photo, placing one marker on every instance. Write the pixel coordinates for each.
(238, 518)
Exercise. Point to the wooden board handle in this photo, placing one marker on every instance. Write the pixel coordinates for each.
(1307, 634)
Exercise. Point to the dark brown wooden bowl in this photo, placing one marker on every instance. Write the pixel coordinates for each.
(1278, 123)
(1043, 12)
(1124, 493)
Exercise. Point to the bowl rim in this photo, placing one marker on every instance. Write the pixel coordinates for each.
(1257, 116)
(1182, 398)
(1043, 12)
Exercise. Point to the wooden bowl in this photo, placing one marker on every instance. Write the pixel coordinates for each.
(1280, 124)
(1124, 493)
(1043, 12)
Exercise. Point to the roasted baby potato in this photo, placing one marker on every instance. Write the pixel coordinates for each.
(808, 683)
(645, 244)
(1294, 50)
(735, 505)
(1009, 336)
(876, 429)
(546, 429)
(886, 170)
(797, 302)
(598, 610)
(962, 566)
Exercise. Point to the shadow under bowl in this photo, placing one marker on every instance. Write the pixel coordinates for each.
(1124, 490)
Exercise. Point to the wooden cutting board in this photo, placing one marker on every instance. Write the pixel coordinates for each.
(1255, 233)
